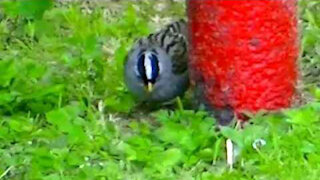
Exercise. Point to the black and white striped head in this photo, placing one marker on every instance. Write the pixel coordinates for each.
(148, 68)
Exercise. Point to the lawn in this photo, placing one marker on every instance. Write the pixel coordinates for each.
(65, 112)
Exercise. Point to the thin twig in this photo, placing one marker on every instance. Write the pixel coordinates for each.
(230, 155)
(6, 172)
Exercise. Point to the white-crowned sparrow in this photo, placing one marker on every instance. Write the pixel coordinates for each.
(156, 68)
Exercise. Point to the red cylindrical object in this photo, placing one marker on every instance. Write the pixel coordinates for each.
(245, 52)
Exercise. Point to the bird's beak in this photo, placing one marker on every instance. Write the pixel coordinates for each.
(149, 87)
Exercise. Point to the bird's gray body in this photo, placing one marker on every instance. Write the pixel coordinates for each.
(170, 47)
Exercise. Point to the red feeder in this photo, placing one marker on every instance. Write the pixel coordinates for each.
(244, 52)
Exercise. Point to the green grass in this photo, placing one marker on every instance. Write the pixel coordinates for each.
(64, 107)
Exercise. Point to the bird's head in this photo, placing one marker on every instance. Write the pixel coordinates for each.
(148, 68)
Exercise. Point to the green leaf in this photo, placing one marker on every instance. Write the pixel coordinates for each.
(10, 8)
(174, 133)
(308, 147)
(8, 71)
(20, 124)
(61, 119)
(305, 116)
(6, 97)
(33, 8)
(233, 134)
(167, 159)
(206, 154)
(74, 159)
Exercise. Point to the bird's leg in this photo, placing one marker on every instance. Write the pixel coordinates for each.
(179, 104)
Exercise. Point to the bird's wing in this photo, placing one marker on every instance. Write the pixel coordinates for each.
(173, 39)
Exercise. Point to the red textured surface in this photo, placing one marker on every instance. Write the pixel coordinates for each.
(245, 51)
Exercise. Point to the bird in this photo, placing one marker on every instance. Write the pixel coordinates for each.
(156, 67)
